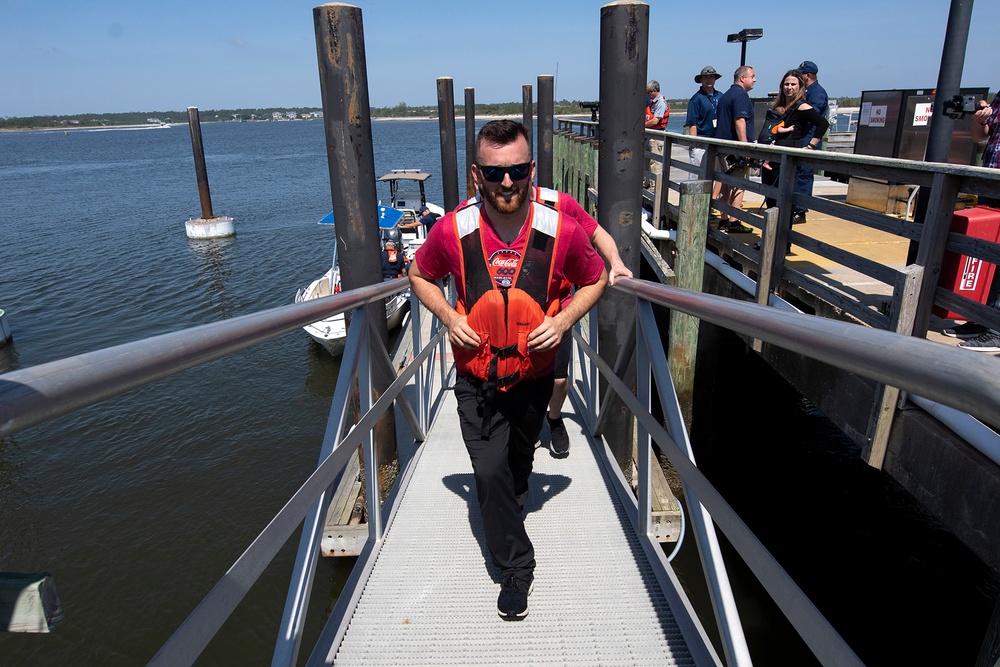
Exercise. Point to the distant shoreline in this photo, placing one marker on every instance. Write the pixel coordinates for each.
(151, 126)
(79, 128)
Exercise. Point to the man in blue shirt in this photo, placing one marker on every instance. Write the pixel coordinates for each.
(735, 123)
(700, 120)
(817, 99)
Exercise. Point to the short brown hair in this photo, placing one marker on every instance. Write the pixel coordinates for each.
(500, 133)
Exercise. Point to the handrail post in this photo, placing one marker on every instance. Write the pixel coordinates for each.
(371, 460)
(286, 647)
(594, 399)
(418, 377)
(643, 457)
(720, 591)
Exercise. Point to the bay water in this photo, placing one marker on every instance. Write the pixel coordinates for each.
(140, 504)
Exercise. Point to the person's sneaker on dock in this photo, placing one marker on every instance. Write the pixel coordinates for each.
(734, 227)
(988, 341)
(964, 331)
(558, 437)
(512, 605)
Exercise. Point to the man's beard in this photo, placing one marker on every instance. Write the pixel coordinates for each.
(502, 205)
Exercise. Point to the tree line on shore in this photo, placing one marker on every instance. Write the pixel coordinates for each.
(401, 110)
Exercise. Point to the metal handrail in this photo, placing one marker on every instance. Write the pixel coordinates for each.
(33, 395)
(310, 502)
(946, 375)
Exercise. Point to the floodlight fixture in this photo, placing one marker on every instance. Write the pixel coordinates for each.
(742, 37)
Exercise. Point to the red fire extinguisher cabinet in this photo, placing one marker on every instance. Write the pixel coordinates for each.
(969, 276)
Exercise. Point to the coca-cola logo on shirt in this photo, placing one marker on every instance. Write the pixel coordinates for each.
(503, 266)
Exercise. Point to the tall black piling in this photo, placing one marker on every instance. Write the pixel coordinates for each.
(449, 151)
(527, 114)
(208, 226)
(470, 140)
(546, 119)
(624, 42)
(343, 78)
(204, 194)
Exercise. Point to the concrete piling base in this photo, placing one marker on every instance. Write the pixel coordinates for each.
(212, 228)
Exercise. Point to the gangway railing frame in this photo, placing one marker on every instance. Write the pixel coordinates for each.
(357, 353)
(954, 378)
(33, 395)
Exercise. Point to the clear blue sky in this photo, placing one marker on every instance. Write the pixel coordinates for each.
(103, 56)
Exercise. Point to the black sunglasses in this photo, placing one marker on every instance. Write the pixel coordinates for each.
(518, 172)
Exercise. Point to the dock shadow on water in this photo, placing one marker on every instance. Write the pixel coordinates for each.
(896, 586)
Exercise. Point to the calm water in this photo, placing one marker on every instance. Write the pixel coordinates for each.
(139, 505)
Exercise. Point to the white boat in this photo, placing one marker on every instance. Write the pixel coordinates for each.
(407, 199)
(331, 333)
(407, 195)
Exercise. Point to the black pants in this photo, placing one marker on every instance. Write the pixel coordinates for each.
(502, 461)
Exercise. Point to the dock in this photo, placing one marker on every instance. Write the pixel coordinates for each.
(434, 588)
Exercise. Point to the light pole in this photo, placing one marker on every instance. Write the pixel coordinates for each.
(744, 36)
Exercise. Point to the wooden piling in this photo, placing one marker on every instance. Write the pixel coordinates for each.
(449, 150)
(689, 267)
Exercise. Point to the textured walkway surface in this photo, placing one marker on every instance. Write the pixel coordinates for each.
(431, 598)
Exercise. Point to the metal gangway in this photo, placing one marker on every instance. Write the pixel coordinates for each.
(422, 591)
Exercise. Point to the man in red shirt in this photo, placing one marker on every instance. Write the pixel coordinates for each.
(490, 242)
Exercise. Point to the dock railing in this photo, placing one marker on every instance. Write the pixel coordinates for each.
(942, 184)
(33, 395)
(913, 289)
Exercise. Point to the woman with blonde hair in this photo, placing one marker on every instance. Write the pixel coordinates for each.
(797, 117)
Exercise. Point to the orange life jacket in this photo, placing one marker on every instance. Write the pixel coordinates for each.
(663, 121)
(506, 298)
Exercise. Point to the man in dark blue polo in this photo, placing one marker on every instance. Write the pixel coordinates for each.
(735, 123)
(817, 99)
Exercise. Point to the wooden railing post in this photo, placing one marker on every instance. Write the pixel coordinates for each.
(933, 240)
(905, 301)
(768, 265)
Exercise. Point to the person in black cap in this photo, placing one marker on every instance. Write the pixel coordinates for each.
(817, 99)
(700, 121)
(427, 217)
